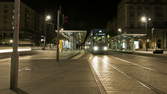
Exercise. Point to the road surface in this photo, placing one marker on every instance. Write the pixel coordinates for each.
(131, 74)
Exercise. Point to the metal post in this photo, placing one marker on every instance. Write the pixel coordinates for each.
(44, 46)
(152, 39)
(58, 30)
(146, 24)
(15, 54)
(45, 29)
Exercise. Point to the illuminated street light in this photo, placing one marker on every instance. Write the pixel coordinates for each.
(48, 17)
(10, 41)
(119, 30)
(144, 19)
(62, 29)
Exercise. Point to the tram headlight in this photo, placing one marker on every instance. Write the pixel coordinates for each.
(95, 48)
(105, 48)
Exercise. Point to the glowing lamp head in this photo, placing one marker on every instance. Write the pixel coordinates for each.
(48, 17)
(144, 19)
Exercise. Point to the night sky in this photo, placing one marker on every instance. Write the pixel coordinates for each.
(82, 14)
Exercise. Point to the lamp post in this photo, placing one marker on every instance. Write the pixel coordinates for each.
(15, 54)
(47, 19)
(119, 42)
(153, 39)
(119, 30)
(145, 20)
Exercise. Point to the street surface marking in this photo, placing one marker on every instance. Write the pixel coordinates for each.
(155, 90)
(121, 71)
(135, 64)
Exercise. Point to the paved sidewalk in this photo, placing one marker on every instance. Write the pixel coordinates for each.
(41, 74)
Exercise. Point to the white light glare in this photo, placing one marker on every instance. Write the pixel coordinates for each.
(105, 48)
(48, 17)
(96, 48)
(144, 19)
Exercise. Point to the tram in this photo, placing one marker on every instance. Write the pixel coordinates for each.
(97, 42)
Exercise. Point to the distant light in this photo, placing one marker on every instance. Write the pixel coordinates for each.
(148, 40)
(143, 19)
(105, 48)
(119, 30)
(62, 29)
(108, 36)
(11, 41)
(95, 48)
(48, 17)
(42, 40)
(100, 31)
(13, 27)
(149, 19)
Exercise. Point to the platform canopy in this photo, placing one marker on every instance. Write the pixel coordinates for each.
(135, 35)
(73, 31)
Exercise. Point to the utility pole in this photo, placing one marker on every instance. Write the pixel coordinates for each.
(15, 54)
(58, 30)
(146, 27)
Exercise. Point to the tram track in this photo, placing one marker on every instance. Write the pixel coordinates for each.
(144, 84)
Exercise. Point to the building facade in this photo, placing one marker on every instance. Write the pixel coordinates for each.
(28, 23)
(150, 34)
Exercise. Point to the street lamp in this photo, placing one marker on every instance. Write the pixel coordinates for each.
(145, 20)
(153, 39)
(47, 19)
(120, 30)
(11, 41)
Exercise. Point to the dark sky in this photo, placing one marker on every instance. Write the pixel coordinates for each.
(81, 13)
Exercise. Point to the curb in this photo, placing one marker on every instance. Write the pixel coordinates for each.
(143, 54)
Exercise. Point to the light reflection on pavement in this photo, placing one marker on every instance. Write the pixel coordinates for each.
(119, 76)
